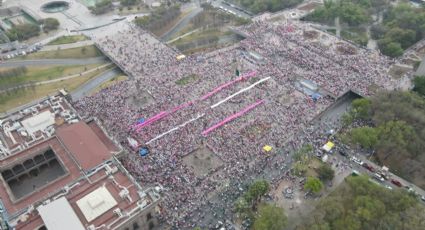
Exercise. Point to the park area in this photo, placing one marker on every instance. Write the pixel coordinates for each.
(391, 28)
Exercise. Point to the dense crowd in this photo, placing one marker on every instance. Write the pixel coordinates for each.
(154, 87)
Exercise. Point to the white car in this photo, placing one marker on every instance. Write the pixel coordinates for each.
(378, 177)
(388, 187)
(359, 162)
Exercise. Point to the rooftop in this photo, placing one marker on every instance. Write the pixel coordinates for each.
(107, 196)
(45, 149)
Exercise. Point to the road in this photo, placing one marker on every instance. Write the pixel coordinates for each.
(57, 79)
(38, 62)
(93, 83)
(233, 9)
(181, 24)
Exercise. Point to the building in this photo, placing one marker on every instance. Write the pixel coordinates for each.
(60, 172)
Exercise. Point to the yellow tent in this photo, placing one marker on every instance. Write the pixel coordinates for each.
(328, 146)
(267, 148)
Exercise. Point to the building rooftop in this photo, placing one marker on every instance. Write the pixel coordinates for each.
(84, 144)
(54, 165)
(107, 197)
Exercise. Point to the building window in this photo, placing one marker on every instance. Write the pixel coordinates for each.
(135, 226)
(151, 225)
(148, 216)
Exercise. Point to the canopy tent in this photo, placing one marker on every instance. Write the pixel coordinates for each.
(143, 151)
(328, 146)
(180, 57)
(267, 148)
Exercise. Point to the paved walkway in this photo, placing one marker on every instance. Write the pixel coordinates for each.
(90, 85)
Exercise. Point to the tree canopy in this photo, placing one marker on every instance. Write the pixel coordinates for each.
(313, 184)
(258, 6)
(270, 217)
(50, 24)
(326, 173)
(23, 31)
(419, 82)
(396, 131)
(360, 204)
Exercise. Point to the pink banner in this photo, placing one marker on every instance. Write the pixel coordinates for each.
(225, 85)
(232, 117)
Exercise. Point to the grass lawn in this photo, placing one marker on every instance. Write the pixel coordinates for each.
(67, 39)
(111, 82)
(44, 73)
(200, 35)
(79, 52)
(14, 99)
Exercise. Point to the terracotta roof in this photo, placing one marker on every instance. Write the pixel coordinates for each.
(84, 145)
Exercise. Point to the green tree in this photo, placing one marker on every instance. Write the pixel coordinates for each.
(366, 137)
(313, 184)
(50, 24)
(256, 190)
(419, 85)
(24, 31)
(361, 108)
(270, 217)
(326, 173)
(353, 14)
(396, 137)
(392, 49)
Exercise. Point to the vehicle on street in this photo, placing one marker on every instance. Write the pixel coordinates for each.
(396, 183)
(409, 189)
(368, 167)
(342, 153)
(378, 177)
(388, 187)
(356, 160)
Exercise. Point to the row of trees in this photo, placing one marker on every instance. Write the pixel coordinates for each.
(403, 25)
(396, 130)
(159, 18)
(360, 204)
(258, 6)
(25, 31)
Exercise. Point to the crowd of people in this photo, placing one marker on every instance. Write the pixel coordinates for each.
(164, 83)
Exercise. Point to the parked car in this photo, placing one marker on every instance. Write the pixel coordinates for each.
(378, 177)
(343, 153)
(388, 187)
(368, 167)
(396, 183)
(357, 160)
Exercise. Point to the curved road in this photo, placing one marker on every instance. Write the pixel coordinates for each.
(83, 90)
(180, 24)
(37, 62)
